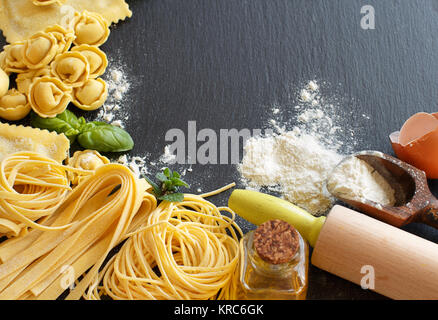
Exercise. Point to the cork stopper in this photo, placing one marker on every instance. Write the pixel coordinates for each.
(276, 241)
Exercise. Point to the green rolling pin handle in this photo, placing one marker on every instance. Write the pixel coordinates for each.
(257, 207)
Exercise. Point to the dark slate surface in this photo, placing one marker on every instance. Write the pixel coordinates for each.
(222, 62)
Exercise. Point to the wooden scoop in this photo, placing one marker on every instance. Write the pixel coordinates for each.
(414, 201)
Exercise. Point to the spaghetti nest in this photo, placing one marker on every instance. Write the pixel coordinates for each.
(185, 250)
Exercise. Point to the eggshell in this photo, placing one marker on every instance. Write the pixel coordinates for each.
(416, 127)
(422, 151)
(397, 147)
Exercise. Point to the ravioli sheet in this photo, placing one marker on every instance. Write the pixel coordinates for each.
(20, 19)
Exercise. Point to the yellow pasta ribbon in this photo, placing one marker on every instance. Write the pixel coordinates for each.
(94, 217)
(32, 187)
(185, 250)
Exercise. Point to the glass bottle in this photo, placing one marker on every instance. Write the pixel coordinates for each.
(262, 276)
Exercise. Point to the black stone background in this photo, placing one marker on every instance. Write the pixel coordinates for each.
(224, 63)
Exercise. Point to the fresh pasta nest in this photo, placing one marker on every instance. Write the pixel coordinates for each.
(14, 105)
(87, 223)
(32, 187)
(48, 96)
(186, 250)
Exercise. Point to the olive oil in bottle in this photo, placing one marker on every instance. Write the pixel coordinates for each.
(274, 263)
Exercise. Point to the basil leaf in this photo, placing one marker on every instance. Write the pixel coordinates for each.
(99, 123)
(82, 122)
(104, 137)
(161, 177)
(66, 123)
(175, 174)
(179, 183)
(155, 187)
(172, 197)
(92, 124)
(70, 118)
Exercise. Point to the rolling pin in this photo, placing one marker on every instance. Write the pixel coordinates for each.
(405, 266)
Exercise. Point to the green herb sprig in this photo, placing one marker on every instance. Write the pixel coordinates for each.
(95, 135)
(167, 189)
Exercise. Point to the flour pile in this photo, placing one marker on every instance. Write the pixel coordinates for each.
(297, 162)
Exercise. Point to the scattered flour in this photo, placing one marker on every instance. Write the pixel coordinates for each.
(137, 164)
(296, 161)
(354, 179)
(116, 108)
(295, 164)
(167, 157)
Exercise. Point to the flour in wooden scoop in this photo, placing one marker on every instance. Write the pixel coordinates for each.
(354, 179)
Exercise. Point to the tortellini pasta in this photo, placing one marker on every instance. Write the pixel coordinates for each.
(90, 28)
(91, 95)
(64, 38)
(86, 160)
(96, 59)
(14, 105)
(39, 50)
(72, 68)
(24, 80)
(19, 19)
(48, 96)
(13, 58)
(48, 2)
(4, 83)
(51, 73)
(3, 61)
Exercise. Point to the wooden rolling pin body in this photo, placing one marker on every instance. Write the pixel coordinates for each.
(405, 266)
